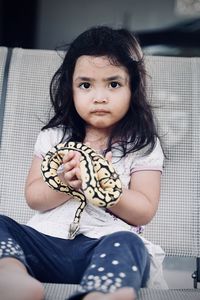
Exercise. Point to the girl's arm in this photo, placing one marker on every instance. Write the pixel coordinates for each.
(139, 204)
(39, 195)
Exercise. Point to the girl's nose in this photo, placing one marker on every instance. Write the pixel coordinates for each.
(100, 100)
(100, 97)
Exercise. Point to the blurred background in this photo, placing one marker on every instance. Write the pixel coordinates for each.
(164, 27)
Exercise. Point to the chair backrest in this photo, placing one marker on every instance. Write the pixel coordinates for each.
(3, 56)
(26, 109)
(175, 94)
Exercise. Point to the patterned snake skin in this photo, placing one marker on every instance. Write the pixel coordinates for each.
(101, 185)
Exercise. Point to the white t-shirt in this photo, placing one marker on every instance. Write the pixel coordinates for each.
(95, 222)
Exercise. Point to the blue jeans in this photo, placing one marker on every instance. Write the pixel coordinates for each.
(106, 264)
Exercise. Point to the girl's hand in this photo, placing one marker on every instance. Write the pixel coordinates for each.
(72, 174)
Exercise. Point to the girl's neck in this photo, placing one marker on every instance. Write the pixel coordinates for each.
(96, 139)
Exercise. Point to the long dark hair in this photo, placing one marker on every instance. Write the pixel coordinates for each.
(136, 130)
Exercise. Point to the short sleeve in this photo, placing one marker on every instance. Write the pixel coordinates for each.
(47, 139)
(152, 161)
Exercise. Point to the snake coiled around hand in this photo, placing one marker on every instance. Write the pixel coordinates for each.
(101, 185)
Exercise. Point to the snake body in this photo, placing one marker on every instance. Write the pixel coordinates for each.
(101, 185)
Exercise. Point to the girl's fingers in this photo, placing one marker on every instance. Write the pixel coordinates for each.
(70, 175)
(71, 160)
(76, 184)
(67, 157)
(78, 173)
(73, 178)
(70, 165)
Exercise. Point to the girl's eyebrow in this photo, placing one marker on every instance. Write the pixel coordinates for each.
(111, 78)
(116, 77)
(83, 78)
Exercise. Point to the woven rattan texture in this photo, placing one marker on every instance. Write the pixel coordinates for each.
(27, 108)
(3, 54)
(62, 292)
(174, 93)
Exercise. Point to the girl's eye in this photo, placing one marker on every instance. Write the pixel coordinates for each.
(114, 84)
(85, 85)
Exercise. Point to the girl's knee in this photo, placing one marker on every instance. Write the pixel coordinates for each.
(36, 291)
(126, 241)
(11, 262)
(126, 237)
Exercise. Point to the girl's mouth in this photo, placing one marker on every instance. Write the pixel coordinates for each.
(100, 111)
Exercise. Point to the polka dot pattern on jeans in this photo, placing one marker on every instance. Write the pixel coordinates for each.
(9, 248)
(105, 283)
(107, 274)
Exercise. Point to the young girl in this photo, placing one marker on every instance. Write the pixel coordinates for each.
(99, 98)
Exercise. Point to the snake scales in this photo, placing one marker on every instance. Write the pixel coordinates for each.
(101, 185)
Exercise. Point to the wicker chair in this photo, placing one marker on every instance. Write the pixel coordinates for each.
(175, 94)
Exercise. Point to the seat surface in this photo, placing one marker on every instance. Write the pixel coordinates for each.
(62, 292)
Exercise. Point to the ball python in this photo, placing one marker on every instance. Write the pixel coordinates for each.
(101, 185)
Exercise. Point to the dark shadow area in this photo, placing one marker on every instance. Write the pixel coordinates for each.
(19, 28)
(18, 23)
(181, 39)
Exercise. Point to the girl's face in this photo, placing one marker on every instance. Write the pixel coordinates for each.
(101, 91)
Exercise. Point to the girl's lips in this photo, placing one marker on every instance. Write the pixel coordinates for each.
(100, 111)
